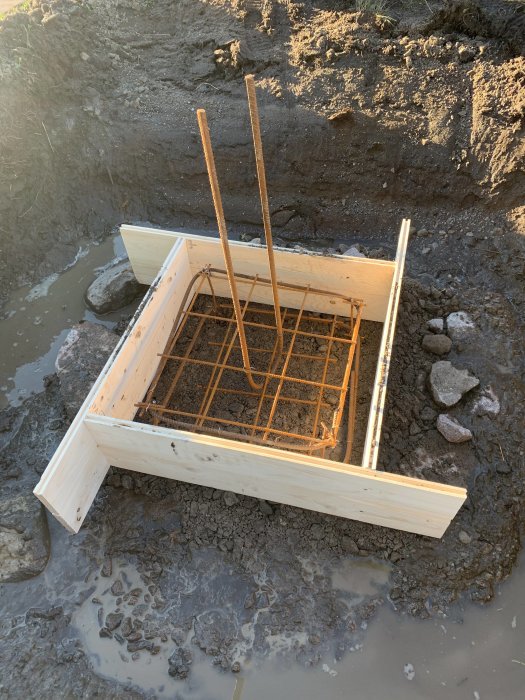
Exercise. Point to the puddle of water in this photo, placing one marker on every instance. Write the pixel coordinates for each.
(474, 654)
(361, 578)
(37, 319)
(148, 672)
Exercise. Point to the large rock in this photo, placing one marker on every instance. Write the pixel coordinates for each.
(24, 538)
(460, 325)
(438, 344)
(452, 430)
(113, 289)
(80, 360)
(449, 384)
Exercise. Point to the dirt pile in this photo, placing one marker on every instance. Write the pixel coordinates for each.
(359, 113)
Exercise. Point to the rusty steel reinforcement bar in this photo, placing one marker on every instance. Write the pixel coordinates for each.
(261, 176)
(221, 222)
(258, 431)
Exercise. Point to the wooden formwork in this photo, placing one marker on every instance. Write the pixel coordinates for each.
(105, 433)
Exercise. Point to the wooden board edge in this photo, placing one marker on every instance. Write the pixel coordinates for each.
(74, 432)
(133, 369)
(286, 456)
(130, 233)
(373, 433)
(164, 452)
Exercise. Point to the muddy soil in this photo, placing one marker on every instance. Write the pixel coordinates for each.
(366, 119)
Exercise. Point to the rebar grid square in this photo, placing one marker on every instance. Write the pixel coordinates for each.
(201, 384)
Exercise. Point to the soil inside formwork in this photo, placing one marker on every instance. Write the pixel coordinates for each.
(192, 390)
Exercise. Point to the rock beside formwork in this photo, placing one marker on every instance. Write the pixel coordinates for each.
(24, 538)
(80, 360)
(452, 430)
(114, 289)
(448, 384)
(437, 343)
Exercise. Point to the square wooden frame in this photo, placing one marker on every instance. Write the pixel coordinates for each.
(104, 432)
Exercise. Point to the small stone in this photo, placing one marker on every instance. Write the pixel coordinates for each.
(126, 626)
(464, 537)
(117, 588)
(230, 498)
(178, 635)
(438, 344)
(436, 325)
(235, 667)
(466, 53)
(107, 568)
(113, 620)
(503, 467)
(354, 252)
(139, 645)
(452, 430)
(459, 325)
(409, 671)
(105, 633)
(428, 414)
(488, 404)
(414, 428)
(265, 507)
(180, 662)
(314, 639)
(84, 56)
(448, 384)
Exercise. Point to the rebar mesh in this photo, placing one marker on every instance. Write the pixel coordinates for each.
(201, 384)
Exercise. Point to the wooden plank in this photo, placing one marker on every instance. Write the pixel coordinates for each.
(383, 499)
(133, 370)
(361, 278)
(72, 478)
(373, 435)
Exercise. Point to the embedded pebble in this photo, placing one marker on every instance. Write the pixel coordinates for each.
(438, 344)
(436, 325)
(452, 430)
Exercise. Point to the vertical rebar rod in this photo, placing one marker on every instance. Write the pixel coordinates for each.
(264, 395)
(221, 222)
(261, 176)
(354, 384)
(285, 366)
(323, 378)
(222, 359)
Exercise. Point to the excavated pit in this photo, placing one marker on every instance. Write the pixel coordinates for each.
(365, 124)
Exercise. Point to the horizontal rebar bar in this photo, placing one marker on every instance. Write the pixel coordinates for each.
(152, 408)
(257, 394)
(209, 363)
(265, 326)
(301, 356)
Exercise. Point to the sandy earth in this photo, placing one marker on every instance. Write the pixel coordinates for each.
(366, 119)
